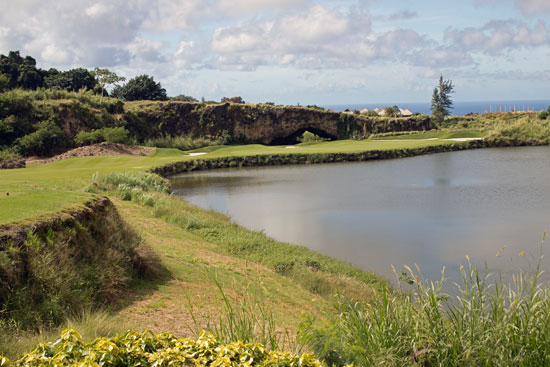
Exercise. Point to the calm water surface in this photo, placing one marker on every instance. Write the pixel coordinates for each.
(430, 210)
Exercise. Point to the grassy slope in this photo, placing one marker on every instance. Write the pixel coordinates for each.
(192, 262)
(43, 189)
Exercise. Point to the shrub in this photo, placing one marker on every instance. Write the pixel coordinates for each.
(8, 154)
(4, 83)
(522, 129)
(183, 98)
(130, 180)
(543, 115)
(144, 349)
(43, 141)
(309, 137)
(182, 142)
(108, 134)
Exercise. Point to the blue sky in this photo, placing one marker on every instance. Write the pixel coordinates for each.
(297, 51)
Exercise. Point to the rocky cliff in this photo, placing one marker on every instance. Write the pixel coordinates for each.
(258, 123)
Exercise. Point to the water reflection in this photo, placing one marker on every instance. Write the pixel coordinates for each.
(430, 210)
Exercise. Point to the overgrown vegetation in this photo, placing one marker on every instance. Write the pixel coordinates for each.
(181, 142)
(144, 349)
(55, 273)
(90, 323)
(244, 316)
(108, 134)
(309, 137)
(489, 323)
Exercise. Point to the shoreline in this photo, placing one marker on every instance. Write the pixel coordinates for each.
(318, 158)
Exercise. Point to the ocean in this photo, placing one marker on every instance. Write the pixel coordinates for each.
(460, 108)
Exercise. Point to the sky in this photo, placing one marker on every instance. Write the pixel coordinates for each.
(296, 51)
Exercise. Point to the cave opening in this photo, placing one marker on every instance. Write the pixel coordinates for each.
(296, 136)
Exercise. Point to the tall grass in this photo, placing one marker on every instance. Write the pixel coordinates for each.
(131, 180)
(488, 323)
(44, 95)
(244, 315)
(182, 142)
(523, 129)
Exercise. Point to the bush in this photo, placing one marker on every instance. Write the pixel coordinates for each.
(4, 83)
(543, 115)
(43, 141)
(183, 98)
(8, 154)
(148, 182)
(309, 137)
(108, 134)
(182, 142)
(522, 129)
(145, 349)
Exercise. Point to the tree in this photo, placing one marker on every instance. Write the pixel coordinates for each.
(4, 82)
(392, 111)
(233, 100)
(20, 71)
(141, 87)
(72, 80)
(441, 99)
(184, 98)
(106, 77)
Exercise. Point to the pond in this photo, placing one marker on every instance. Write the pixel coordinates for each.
(430, 210)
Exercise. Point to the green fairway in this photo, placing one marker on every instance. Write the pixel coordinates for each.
(42, 189)
(435, 134)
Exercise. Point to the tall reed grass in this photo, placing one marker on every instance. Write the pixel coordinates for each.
(243, 316)
(488, 323)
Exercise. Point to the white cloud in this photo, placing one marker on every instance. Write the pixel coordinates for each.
(245, 7)
(527, 7)
(174, 15)
(146, 50)
(189, 55)
(442, 56)
(175, 40)
(534, 7)
(498, 36)
(97, 10)
(317, 37)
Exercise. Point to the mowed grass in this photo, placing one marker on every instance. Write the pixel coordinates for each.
(435, 134)
(42, 189)
(338, 146)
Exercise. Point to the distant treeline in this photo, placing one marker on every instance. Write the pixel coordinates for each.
(18, 72)
(21, 72)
